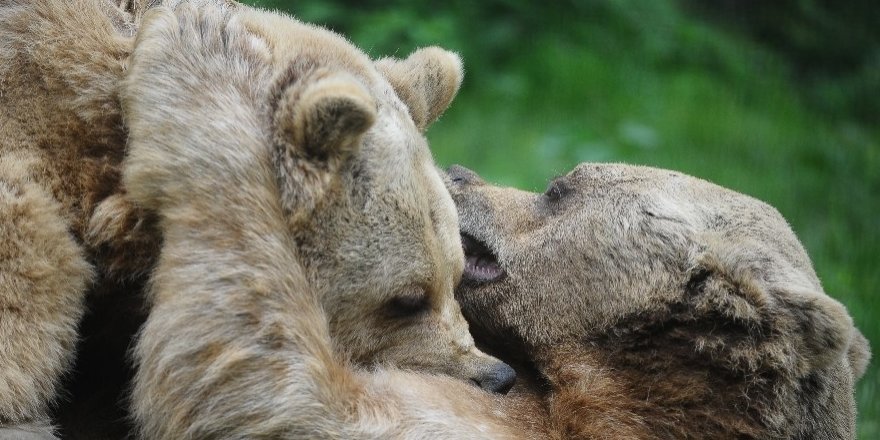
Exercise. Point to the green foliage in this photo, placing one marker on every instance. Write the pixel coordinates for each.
(707, 90)
(822, 40)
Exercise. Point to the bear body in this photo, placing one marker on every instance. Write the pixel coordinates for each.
(72, 232)
(61, 144)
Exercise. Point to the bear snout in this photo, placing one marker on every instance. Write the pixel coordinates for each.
(498, 378)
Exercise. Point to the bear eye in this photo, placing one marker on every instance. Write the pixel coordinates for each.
(407, 305)
(556, 190)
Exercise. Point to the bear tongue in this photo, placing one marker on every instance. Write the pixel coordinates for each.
(482, 269)
(481, 265)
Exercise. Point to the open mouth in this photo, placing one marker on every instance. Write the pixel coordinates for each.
(481, 265)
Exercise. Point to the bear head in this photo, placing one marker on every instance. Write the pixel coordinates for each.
(342, 138)
(673, 284)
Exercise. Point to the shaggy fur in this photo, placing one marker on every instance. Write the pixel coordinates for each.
(657, 305)
(646, 304)
(60, 146)
(650, 304)
(236, 344)
(71, 230)
(307, 236)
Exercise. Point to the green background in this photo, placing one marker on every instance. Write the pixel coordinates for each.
(779, 100)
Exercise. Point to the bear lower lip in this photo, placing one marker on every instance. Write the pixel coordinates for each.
(481, 265)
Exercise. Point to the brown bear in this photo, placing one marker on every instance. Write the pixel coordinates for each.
(299, 184)
(650, 304)
(347, 158)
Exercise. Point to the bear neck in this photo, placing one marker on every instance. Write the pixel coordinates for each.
(609, 388)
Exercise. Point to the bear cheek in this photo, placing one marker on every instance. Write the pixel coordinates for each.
(486, 319)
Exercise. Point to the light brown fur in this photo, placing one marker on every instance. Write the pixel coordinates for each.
(657, 305)
(65, 208)
(271, 273)
(691, 321)
(651, 304)
(61, 142)
(236, 344)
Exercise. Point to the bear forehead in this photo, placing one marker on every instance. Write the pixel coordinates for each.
(307, 46)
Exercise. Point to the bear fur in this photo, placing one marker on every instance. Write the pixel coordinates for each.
(650, 304)
(641, 303)
(72, 230)
(237, 344)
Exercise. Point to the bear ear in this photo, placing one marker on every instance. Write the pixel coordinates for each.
(859, 354)
(319, 120)
(324, 115)
(426, 82)
(775, 315)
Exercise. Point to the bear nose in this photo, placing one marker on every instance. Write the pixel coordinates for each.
(461, 175)
(498, 379)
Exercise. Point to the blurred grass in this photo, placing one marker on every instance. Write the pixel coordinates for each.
(655, 83)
